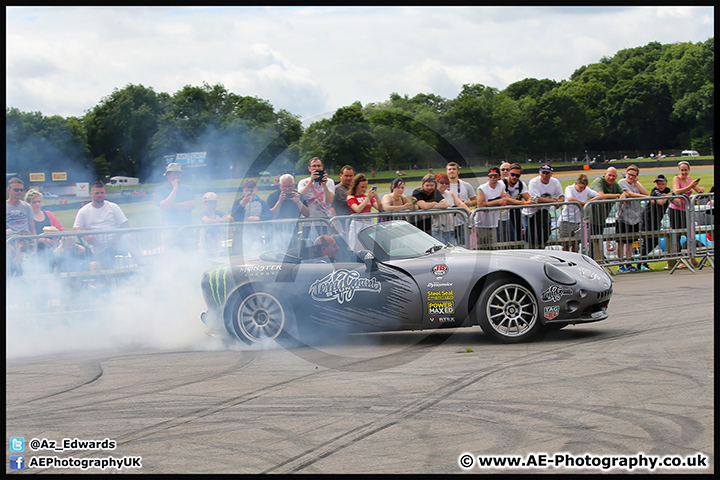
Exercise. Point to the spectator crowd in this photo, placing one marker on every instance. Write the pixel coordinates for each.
(510, 211)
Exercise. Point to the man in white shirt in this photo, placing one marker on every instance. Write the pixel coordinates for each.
(318, 191)
(544, 190)
(465, 192)
(101, 215)
(510, 228)
(461, 188)
(489, 194)
(571, 217)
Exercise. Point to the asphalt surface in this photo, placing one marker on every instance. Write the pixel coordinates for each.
(638, 385)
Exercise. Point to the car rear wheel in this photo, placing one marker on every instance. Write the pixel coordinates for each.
(508, 311)
(257, 316)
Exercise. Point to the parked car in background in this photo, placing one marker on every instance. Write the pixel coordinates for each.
(689, 153)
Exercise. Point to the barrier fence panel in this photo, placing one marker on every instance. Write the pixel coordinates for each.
(536, 226)
(702, 216)
(647, 229)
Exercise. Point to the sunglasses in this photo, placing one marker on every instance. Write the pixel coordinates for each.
(17, 189)
(444, 183)
(515, 175)
(494, 175)
(504, 169)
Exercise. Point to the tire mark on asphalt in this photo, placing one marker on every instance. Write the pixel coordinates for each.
(95, 372)
(339, 442)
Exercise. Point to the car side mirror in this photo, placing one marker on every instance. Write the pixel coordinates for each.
(368, 258)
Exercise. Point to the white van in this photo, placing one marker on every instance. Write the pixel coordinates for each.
(122, 181)
(689, 153)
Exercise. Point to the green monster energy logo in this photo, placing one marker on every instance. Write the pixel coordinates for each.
(216, 284)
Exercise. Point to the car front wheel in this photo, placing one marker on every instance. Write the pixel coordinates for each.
(508, 311)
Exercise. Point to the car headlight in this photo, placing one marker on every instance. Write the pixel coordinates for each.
(557, 275)
(592, 261)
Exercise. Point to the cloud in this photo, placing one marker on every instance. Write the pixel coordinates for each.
(311, 60)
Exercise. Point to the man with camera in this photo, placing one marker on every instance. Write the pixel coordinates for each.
(318, 190)
(286, 202)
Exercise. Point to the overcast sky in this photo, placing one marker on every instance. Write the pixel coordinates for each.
(312, 60)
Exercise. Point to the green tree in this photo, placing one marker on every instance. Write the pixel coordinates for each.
(470, 120)
(35, 143)
(349, 140)
(636, 114)
(120, 128)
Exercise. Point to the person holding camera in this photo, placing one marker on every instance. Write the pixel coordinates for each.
(286, 202)
(318, 190)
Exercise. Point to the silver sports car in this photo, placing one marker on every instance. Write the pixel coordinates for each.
(404, 279)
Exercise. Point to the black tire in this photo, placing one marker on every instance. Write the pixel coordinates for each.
(255, 315)
(508, 311)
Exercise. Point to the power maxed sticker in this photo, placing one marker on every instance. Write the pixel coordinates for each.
(441, 308)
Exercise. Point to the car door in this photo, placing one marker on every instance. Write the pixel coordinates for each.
(359, 296)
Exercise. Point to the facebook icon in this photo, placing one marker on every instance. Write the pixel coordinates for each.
(17, 462)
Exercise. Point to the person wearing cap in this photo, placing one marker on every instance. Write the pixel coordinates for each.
(652, 216)
(544, 190)
(489, 194)
(211, 238)
(682, 185)
(598, 212)
(250, 207)
(510, 226)
(176, 201)
(211, 214)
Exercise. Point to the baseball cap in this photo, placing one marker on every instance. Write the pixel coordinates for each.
(173, 167)
(546, 167)
(660, 178)
(209, 196)
(493, 170)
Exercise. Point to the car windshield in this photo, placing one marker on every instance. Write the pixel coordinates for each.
(398, 239)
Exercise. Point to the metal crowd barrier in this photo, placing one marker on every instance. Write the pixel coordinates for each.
(675, 237)
(130, 250)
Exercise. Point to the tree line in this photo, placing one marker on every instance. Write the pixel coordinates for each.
(659, 96)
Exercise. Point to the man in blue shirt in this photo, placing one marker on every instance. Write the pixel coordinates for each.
(175, 200)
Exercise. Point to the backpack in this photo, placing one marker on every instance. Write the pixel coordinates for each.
(507, 187)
